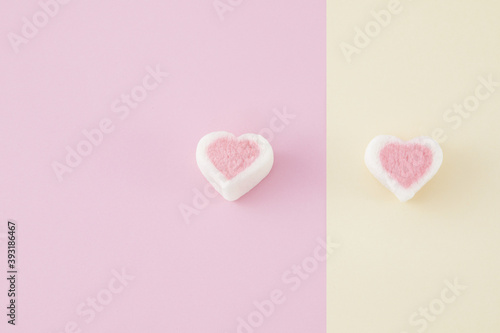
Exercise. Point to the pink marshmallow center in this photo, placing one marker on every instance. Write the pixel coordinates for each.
(231, 156)
(406, 163)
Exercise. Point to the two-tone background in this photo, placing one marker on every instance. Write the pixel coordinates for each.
(102, 105)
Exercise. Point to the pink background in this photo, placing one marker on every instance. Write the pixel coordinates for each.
(120, 207)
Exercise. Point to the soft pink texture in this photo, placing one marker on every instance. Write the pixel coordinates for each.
(406, 162)
(231, 156)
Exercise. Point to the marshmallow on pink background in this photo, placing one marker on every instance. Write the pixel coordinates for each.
(234, 165)
(403, 166)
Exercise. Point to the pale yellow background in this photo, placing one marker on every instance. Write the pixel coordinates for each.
(394, 257)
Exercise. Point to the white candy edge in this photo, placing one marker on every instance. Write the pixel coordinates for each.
(372, 161)
(236, 187)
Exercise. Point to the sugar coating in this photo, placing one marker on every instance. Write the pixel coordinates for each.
(403, 166)
(406, 163)
(231, 156)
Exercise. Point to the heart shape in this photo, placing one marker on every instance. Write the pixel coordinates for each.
(231, 156)
(403, 167)
(406, 163)
(234, 165)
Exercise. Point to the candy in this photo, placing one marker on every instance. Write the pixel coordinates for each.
(234, 165)
(403, 167)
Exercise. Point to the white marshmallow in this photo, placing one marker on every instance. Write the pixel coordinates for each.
(405, 170)
(244, 180)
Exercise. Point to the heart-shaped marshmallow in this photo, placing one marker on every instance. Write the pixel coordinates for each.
(403, 167)
(234, 165)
